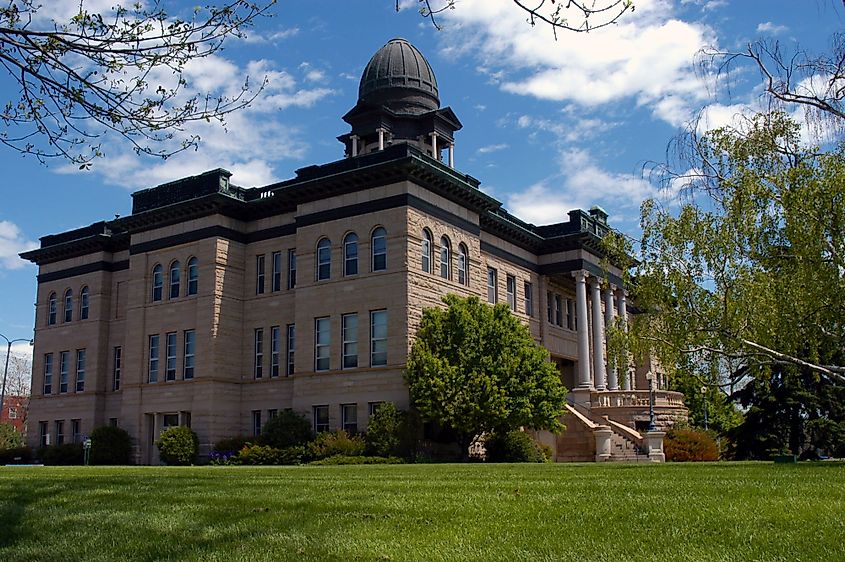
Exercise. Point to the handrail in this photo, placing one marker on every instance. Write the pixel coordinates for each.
(631, 433)
(581, 417)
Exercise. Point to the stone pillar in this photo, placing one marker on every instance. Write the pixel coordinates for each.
(612, 379)
(354, 145)
(452, 155)
(598, 335)
(604, 442)
(624, 370)
(654, 445)
(434, 152)
(583, 336)
(380, 138)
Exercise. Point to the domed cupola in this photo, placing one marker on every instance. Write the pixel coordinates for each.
(399, 77)
(399, 102)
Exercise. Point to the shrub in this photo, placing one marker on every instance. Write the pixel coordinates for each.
(329, 444)
(687, 445)
(110, 445)
(343, 459)
(178, 446)
(16, 455)
(10, 438)
(265, 455)
(383, 430)
(287, 429)
(62, 455)
(513, 446)
(232, 444)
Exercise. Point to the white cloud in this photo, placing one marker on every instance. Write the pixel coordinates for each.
(492, 148)
(771, 28)
(647, 56)
(13, 242)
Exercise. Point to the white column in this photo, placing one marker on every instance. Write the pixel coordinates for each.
(434, 152)
(624, 370)
(612, 379)
(354, 145)
(380, 138)
(598, 333)
(452, 155)
(583, 336)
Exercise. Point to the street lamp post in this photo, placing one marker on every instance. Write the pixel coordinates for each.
(650, 378)
(704, 395)
(6, 368)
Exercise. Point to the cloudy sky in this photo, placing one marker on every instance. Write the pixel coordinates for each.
(549, 124)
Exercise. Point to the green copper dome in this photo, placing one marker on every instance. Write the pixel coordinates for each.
(399, 77)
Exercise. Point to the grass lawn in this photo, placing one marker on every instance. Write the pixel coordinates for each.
(701, 512)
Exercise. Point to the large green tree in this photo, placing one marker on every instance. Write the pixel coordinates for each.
(475, 368)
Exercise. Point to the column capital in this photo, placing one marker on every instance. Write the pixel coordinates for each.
(580, 274)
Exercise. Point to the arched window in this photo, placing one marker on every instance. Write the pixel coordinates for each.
(52, 309)
(350, 254)
(68, 305)
(324, 259)
(463, 265)
(83, 304)
(378, 243)
(445, 251)
(426, 251)
(158, 282)
(193, 276)
(175, 276)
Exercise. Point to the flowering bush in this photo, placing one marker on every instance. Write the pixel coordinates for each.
(687, 445)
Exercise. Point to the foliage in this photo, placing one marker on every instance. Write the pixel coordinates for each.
(476, 369)
(513, 446)
(66, 454)
(15, 455)
(329, 444)
(123, 70)
(255, 454)
(10, 437)
(110, 445)
(686, 445)
(393, 432)
(232, 444)
(178, 446)
(287, 429)
(704, 511)
(336, 460)
(722, 412)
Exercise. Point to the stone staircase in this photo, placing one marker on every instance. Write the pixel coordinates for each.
(580, 441)
(624, 450)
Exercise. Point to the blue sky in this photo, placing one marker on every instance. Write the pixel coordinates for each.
(549, 125)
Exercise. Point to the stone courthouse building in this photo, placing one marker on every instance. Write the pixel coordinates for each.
(215, 306)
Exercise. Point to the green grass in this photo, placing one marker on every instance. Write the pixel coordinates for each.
(702, 512)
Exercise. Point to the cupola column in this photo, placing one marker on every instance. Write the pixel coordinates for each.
(452, 155)
(354, 145)
(380, 138)
(434, 153)
(583, 337)
(612, 379)
(598, 333)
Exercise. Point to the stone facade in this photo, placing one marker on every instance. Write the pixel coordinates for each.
(120, 341)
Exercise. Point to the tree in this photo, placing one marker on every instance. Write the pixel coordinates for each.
(571, 15)
(475, 369)
(121, 72)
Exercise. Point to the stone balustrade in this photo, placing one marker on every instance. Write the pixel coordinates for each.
(638, 398)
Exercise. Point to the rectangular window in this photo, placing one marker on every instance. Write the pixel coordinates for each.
(43, 434)
(529, 298)
(272, 413)
(277, 271)
(550, 307)
(170, 357)
(259, 274)
(80, 370)
(349, 330)
(48, 373)
(152, 375)
(169, 420)
(492, 292)
(378, 338)
(256, 423)
(112, 422)
(372, 408)
(275, 346)
(570, 314)
(321, 418)
(511, 289)
(258, 370)
(76, 431)
(115, 373)
(188, 365)
(291, 269)
(60, 432)
(349, 418)
(64, 370)
(322, 343)
(291, 345)
(558, 310)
